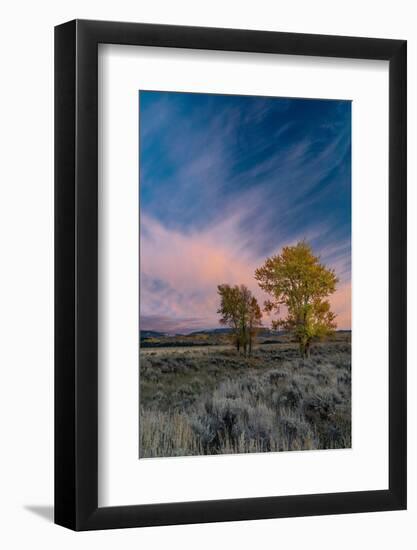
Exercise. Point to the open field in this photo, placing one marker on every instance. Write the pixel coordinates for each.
(210, 400)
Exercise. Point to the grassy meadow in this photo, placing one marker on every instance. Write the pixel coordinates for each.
(198, 396)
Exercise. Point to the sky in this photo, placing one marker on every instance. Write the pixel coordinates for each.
(225, 182)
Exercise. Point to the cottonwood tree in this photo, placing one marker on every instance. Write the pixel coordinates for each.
(240, 311)
(297, 280)
(229, 310)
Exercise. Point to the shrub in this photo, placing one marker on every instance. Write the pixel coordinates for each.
(219, 402)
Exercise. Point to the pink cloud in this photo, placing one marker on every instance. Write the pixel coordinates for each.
(341, 305)
(180, 273)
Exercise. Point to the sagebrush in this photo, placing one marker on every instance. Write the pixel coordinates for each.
(215, 401)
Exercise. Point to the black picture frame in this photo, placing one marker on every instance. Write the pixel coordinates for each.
(76, 272)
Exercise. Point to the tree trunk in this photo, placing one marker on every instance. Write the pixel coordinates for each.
(305, 349)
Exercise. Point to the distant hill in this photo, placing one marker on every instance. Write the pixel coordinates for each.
(210, 331)
(151, 334)
(261, 330)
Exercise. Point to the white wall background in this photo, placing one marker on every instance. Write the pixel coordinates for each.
(26, 271)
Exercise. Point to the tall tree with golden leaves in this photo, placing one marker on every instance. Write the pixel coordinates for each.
(297, 280)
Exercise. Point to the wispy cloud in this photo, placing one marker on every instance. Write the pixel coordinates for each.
(227, 181)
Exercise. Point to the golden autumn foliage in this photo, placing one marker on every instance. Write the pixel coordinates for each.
(297, 280)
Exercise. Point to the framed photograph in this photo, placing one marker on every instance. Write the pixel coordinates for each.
(230, 255)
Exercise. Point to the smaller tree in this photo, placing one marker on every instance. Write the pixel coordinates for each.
(297, 280)
(240, 311)
(229, 310)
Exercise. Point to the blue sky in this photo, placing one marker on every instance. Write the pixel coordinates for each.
(227, 181)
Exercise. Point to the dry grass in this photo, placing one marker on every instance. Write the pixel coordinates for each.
(218, 402)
